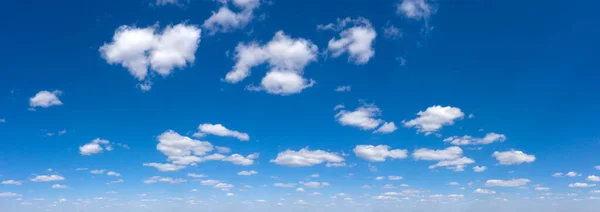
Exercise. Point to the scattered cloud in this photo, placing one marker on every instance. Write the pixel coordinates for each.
(12, 182)
(47, 178)
(415, 9)
(364, 117)
(247, 173)
(356, 40)
(306, 157)
(226, 20)
(449, 153)
(468, 140)
(59, 186)
(434, 118)
(315, 184)
(391, 32)
(378, 153)
(479, 168)
(220, 130)
(9, 194)
(513, 157)
(344, 88)
(593, 178)
(387, 127)
(97, 146)
(165, 167)
(45, 99)
(507, 183)
(156, 179)
(483, 191)
(284, 185)
(581, 185)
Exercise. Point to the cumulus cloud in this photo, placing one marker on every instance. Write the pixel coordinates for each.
(356, 40)
(286, 57)
(306, 157)
(572, 174)
(581, 185)
(12, 182)
(315, 184)
(59, 186)
(363, 117)
(450, 158)
(483, 191)
(479, 168)
(226, 20)
(378, 153)
(247, 173)
(47, 178)
(113, 174)
(415, 9)
(140, 49)
(156, 179)
(468, 140)
(95, 147)
(220, 130)
(513, 157)
(45, 99)
(387, 127)
(593, 178)
(434, 118)
(507, 183)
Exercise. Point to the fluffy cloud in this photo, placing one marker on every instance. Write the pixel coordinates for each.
(450, 158)
(363, 117)
(316, 184)
(415, 9)
(468, 140)
(513, 157)
(59, 186)
(113, 174)
(507, 183)
(581, 185)
(47, 178)
(220, 130)
(593, 178)
(156, 179)
(12, 182)
(483, 191)
(176, 146)
(247, 173)
(479, 168)
(387, 127)
(165, 167)
(357, 40)
(378, 153)
(434, 118)
(138, 49)
(95, 147)
(225, 20)
(306, 157)
(45, 99)
(287, 58)
(572, 174)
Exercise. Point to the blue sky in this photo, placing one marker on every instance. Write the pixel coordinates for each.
(255, 105)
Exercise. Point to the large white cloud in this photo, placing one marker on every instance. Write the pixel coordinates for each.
(95, 147)
(220, 130)
(434, 118)
(513, 157)
(306, 157)
(47, 178)
(507, 183)
(357, 40)
(226, 20)
(139, 49)
(45, 99)
(469, 140)
(286, 57)
(415, 9)
(378, 153)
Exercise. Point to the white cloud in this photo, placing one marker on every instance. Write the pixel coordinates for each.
(379, 153)
(314, 175)
(165, 167)
(593, 178)
(165, 2)
(9, 194)
(225, 20)
(95, 147)
(557, 174)
(513, 157)
(47, 178)
(284, 185)
(247, 173)
(455, 164)
(483, 191)
(395, 177)
(450, 153)
(196, 175)
(357, 40)
(453, 183)
(59, 186)
(175, 146)
(115, 181)
(434, 118)
(315, 184)
(479, 168)
(380, 178)
(138, 49)
(306, 157)
(391, 32)
(12, 182)
(542, 188)
(222, 149)
(114, 174)
(387, 127)
(98, 171)
(45, 99)
(220, 130)
(238, 159)
(363, 117)
(415, 9)
(572, 174)
(286, 57)
(581, 185)
(468, 140)
(507, 183)
(156, 179)
(343, 88)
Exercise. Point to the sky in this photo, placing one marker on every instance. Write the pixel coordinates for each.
(273, 105)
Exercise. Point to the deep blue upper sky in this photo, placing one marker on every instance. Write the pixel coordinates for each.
(522, 69)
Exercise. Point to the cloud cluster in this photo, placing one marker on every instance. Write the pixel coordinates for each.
(434, 118)
(139, 49)
(356, 40)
